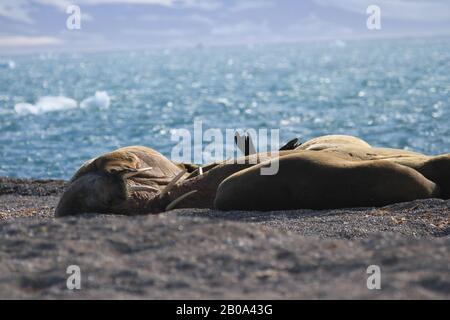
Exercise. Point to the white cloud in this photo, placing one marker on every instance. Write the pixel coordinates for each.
(59, 4)
(166, 3)
(414, 10)
(166, 18)
(26, 41)
(240, 28)
(201, 19)
(173, 32)
(314, 27)
(242, 5)
(196, 4)
(17, 10)
(199, 4)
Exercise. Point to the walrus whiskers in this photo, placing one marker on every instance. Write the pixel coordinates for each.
(175, 202)
(172, 183)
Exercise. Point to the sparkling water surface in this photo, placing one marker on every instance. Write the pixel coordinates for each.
(389, 92)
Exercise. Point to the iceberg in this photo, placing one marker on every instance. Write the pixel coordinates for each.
(99, 100)
(58, 103)
(46, 104)
(10, 64)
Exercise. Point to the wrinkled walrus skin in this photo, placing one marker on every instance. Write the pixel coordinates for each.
(326, 172)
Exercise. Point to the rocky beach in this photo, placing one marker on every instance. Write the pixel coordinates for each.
(208, 254)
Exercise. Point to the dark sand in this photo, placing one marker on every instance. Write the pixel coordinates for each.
(201, 254)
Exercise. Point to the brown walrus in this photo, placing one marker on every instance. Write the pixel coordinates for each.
(139, 180)
(136, 180)
(323, 180)
(434, 168)
(130, 178)
(332, 142)
(337, 171)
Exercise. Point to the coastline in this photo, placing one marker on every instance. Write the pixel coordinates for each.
(198, 254)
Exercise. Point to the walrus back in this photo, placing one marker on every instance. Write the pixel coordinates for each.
(315, 180)
(332, 141)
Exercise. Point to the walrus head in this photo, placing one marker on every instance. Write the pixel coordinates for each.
(93, 192)
(111, 192)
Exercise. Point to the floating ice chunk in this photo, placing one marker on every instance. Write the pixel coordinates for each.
(49, 103)
(338, 43)
(10, 64)
(46, 104)
(100, 100)
(24, 108)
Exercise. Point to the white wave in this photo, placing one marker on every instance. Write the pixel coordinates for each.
(100, 100)
(46, 104)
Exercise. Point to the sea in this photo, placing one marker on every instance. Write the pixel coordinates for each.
(58, 110)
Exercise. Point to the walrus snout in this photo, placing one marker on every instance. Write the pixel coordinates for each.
(92, 192)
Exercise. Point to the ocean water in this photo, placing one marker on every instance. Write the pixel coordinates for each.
(58, 110)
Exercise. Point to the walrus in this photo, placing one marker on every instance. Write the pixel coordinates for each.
(332, 142)
(125, 181)
(139, 180)
(434, 168)
(135, 180)
(352, 153)
(322, 180)
(130, 178)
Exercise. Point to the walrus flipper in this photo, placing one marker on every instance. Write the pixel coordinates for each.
(245, 144)
(291, 145)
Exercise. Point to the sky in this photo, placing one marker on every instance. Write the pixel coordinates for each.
(33, 25)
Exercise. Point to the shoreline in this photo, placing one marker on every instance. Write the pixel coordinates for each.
(199, 253)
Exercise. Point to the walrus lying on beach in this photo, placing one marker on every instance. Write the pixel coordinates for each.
(326, 172)
(335, 172)
(138, 180)
(323, 180)
(123, 179)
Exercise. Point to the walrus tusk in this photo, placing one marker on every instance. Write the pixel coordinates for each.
(175, 202)
(172, 183)
(143, 188)
(134, 173)
(196, 172)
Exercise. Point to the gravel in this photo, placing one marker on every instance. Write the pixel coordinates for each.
(202, 254)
